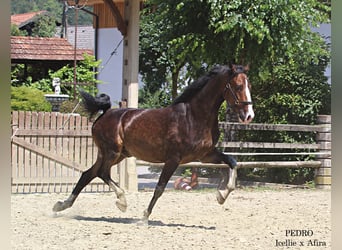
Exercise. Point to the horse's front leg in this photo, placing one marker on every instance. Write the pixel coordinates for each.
(228, 175)
(232, 179)
(169, 168)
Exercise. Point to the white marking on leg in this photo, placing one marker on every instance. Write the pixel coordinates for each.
(250, 111)
(232, 179)
(121, 203)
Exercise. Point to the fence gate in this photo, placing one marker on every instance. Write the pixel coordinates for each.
(49, 152)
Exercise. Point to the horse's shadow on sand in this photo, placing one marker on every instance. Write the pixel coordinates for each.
(156, 223)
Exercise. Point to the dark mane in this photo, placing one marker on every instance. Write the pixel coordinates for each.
(198, 84)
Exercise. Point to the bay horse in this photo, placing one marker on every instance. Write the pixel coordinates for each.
(185, 131)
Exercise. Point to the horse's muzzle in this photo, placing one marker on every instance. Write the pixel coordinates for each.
(246, 117)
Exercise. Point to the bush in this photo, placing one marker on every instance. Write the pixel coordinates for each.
(28, 99)
(74, 106)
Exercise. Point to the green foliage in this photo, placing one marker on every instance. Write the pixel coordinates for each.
(158, 99)
(257, 30)
(45, 26)
(17, 72)
(73, 106)
(199, 34)
(299, 94)
(169, 45)
(28, 99)
(20, 6)
(55, 7)
(85, 72)
(44, 85)
(29, 95)
(15, 31)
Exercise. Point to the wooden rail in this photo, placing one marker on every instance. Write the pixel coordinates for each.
(321, 149)
(257, 164)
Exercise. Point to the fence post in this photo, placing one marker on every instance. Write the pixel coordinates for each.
(323, 138)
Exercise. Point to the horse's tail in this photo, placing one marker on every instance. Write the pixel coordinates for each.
(94, 104)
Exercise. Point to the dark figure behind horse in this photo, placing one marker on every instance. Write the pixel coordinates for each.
(185, 131)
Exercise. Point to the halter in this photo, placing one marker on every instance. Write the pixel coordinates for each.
(236, 99)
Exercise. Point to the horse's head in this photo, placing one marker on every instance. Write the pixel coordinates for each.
(237, 93)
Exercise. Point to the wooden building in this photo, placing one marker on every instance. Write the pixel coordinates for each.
(44, 53)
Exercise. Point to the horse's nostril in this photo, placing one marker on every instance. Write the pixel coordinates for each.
(249, 118)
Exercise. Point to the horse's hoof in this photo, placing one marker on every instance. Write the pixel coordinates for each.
(58, 207)
(122, 206)
(144, 219)
(143, 222)
(229, 191)
(220, 197)
(61, 205)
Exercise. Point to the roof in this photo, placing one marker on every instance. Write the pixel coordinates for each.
(92, 2)
(44, 48)
(25, 18)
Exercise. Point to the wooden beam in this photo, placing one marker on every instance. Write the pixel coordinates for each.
(54, 133)
(34, 148)
(122, 26)
(275, 127)
(272, 145)
(267, 164)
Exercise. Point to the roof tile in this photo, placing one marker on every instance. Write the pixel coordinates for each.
(42, 48)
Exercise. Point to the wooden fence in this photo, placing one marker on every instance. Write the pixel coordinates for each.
(50, 151)
(320, 150)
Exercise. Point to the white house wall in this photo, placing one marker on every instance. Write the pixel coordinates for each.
(111, 73)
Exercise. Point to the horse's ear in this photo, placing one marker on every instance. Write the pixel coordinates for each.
(246, 68)
(232, 67)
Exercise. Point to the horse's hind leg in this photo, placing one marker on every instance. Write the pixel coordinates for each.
(121, 203)
(105, 175)
(84, 180)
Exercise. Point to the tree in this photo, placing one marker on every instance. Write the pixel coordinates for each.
(20, 6)
(45, 26)
(55, 7)
(85, 74)
(199, 34)
(168, 42)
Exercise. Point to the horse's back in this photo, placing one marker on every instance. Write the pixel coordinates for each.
(135, 132)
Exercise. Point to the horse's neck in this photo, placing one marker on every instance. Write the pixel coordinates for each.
(206, 104)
